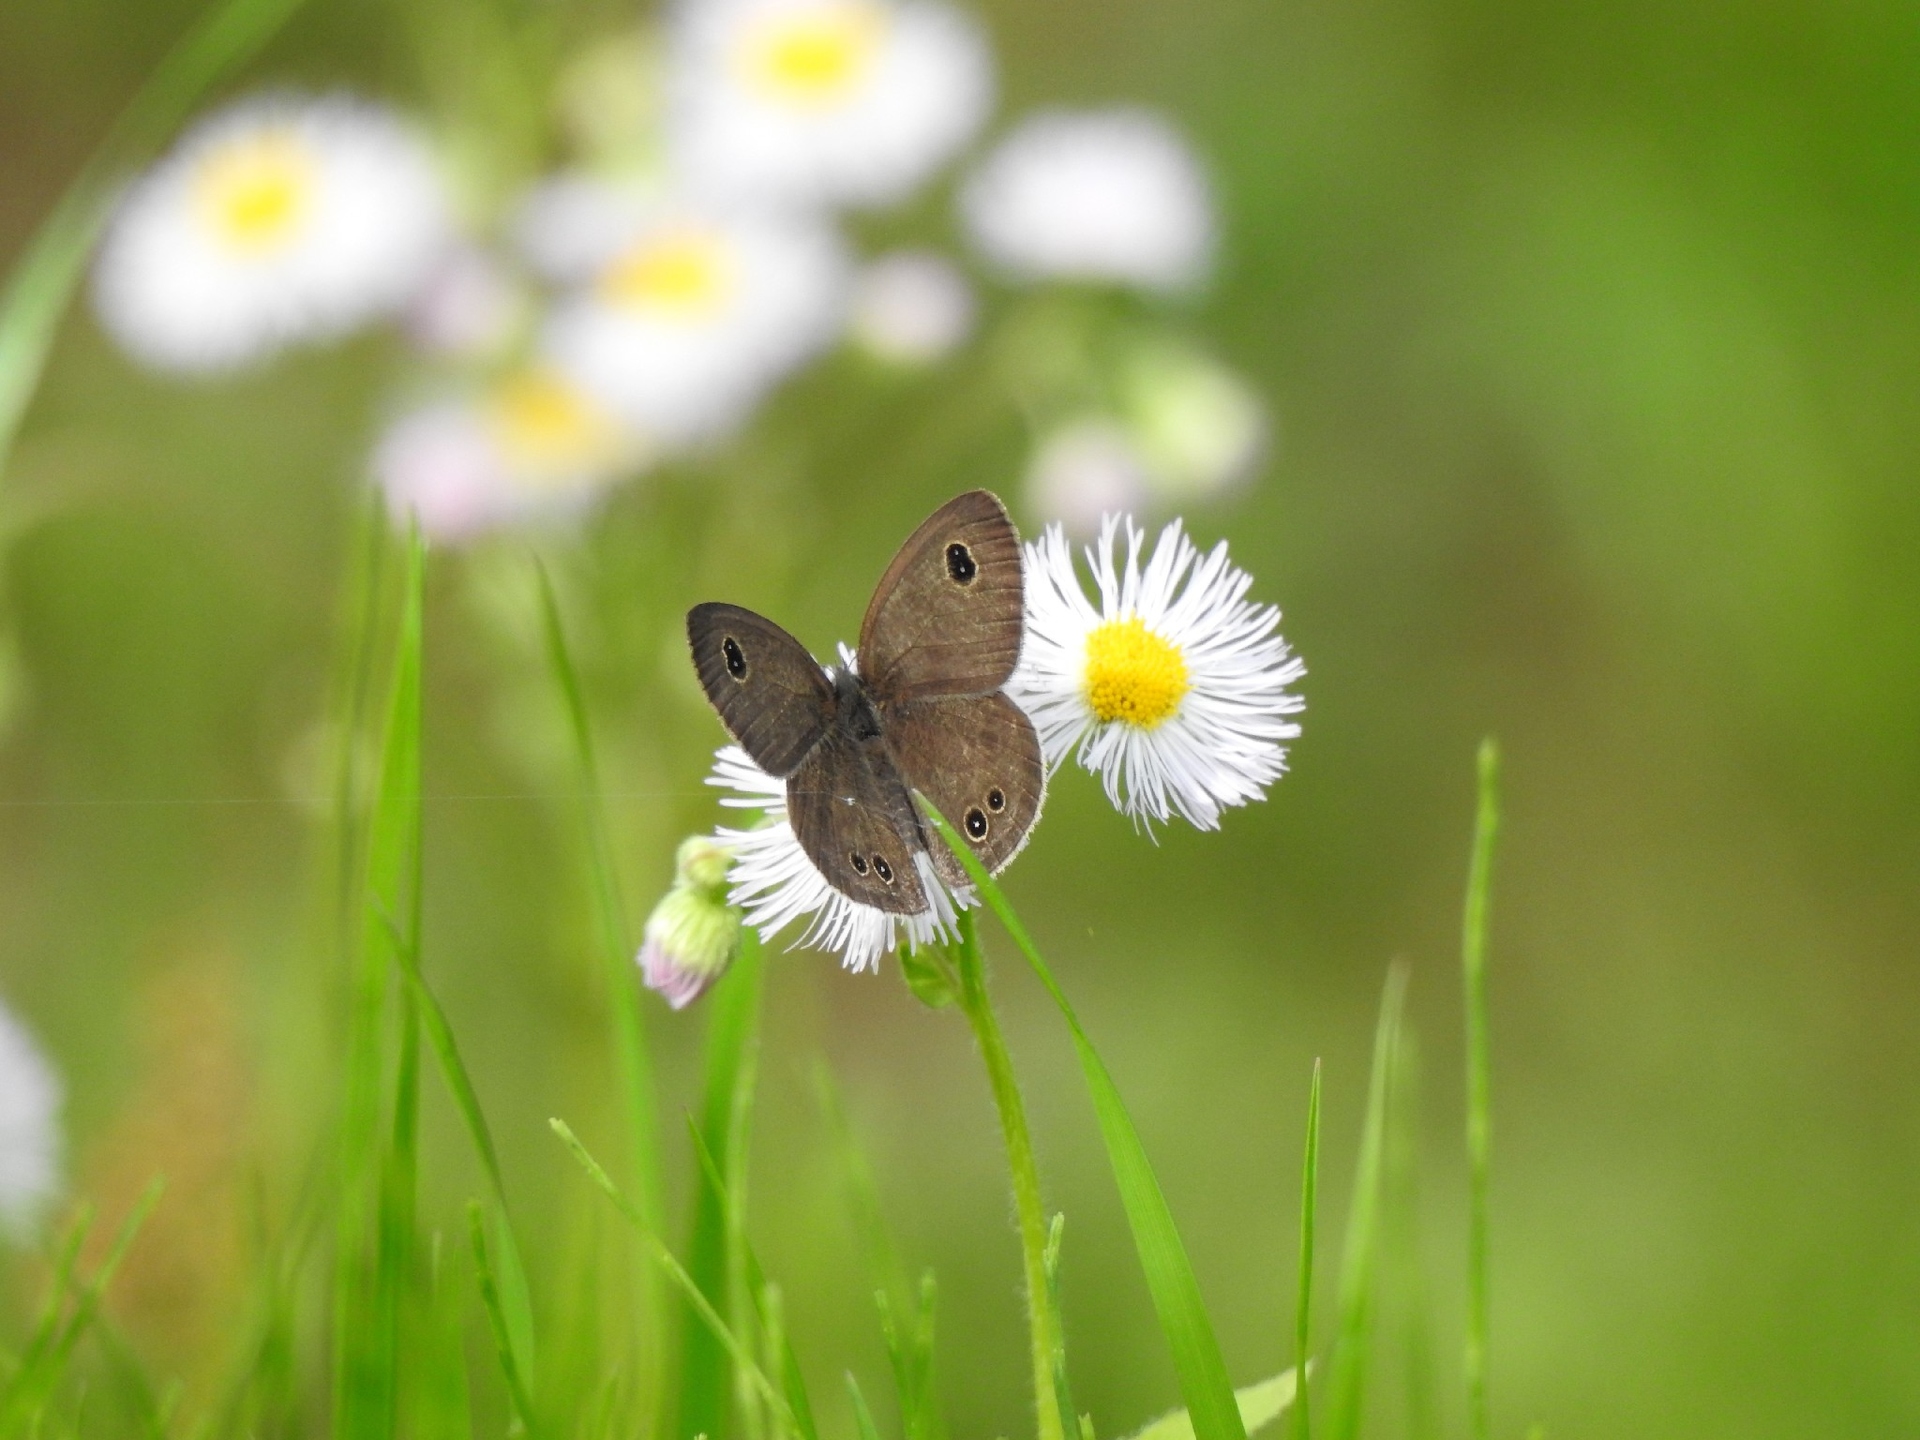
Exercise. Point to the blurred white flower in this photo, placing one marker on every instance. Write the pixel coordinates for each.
(1084, 470)
(30, 1143)
(775, 883)
(530, 447)
(911, 307)
(1199, 427)
(693, 932)
(699, 315)
(1111, 195)
(275, 221)
(569, 225)
(1173, 690)
(469, 307)
(823, 101)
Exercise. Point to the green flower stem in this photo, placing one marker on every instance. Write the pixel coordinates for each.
(1042, 1324)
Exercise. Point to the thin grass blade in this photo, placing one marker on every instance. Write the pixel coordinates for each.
(676, 1272)
(517, 1390)
(362, 1367)
(733, 1021)
(617, 951)
(43, 281)
(1260, 1404)
(1170, 1278)
(1473, 965)
(1303, 1306)
(1346, 1384)
(862, 1416)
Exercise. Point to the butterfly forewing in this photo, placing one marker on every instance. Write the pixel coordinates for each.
(978, 760)
(854, 818)
(771, 695)
(946, 617)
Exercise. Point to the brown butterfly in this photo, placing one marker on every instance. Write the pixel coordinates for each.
(923, 711)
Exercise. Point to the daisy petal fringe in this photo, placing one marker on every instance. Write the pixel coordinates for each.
(776, 884)
(1174, 688)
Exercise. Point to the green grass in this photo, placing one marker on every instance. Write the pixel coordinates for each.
(1303, 1302)
(1473, 966)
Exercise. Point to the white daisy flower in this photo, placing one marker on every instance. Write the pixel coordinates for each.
(911, 307)
(1173, 690)
(529, 447)
(823, 101)
(30, 1142)
(693, 932)
(275, 221)
(1110, 195)
(699, 314)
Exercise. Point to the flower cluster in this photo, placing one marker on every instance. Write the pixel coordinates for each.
(643, 300)
(1168, 683)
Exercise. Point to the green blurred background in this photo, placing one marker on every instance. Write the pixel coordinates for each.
(1593, 334)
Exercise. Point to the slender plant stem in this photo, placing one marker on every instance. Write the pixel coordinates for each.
(1303, 1313)
(1473, 957)
(1042, 1325)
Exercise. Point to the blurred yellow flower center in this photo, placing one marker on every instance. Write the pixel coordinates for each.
(257, 190)
(549, 432)
(1133, 675)
(684, 272)
(817, 55)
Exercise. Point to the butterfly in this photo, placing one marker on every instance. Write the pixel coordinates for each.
(923, 709)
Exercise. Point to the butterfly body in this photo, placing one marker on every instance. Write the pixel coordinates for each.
(923, 710)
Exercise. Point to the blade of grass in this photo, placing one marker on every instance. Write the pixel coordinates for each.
(1260, 1404)
(862, 1416)
(766, 1302)
(43, 281)
(1473, 965)
(497, 1320)
(40, 1371)
(1346, 1385)
(1404, 1260)
(1303, 1308)
(617, 951)
(677, 1273)
(1170, 1279)
(361, 1368)
(733, 1020)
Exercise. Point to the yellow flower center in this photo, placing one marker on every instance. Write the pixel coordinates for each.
(816, 56)
(684, 272)
(1133, 675)
(549, 432)
(257, 190)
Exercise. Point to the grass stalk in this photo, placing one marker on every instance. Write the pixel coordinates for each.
(1042, 1323)
(1303, 1306)
(1346, 1382)
(1473, 965)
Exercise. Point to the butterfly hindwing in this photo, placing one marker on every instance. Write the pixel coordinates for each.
(978, 760)
(854, 818)
(771, 695)
(946, 617)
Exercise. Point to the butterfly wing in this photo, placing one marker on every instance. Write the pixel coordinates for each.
(771, 695)
(946, 617)
(854, 818)
(978, 760)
